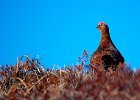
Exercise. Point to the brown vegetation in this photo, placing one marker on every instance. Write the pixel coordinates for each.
(28, 81)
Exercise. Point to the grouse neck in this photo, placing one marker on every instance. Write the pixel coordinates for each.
(105, 40)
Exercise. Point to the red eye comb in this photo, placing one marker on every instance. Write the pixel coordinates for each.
(102, 23)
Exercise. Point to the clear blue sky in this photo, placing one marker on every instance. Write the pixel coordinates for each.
(59, 30)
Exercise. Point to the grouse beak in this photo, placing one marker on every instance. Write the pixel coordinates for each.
(97, 26)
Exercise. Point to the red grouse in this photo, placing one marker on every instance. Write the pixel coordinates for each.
(107, 55)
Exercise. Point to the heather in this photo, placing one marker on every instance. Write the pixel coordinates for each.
(28, 80)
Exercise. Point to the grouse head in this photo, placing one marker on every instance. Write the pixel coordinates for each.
(103, 27)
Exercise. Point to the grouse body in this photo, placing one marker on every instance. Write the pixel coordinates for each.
(107, 55)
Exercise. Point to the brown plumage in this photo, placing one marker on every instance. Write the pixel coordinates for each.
(107, 55)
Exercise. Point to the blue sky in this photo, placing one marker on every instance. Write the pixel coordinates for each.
(60, 30)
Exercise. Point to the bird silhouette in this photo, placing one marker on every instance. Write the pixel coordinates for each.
(107, 55)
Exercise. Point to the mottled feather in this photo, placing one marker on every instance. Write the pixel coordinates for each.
(107, 55)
